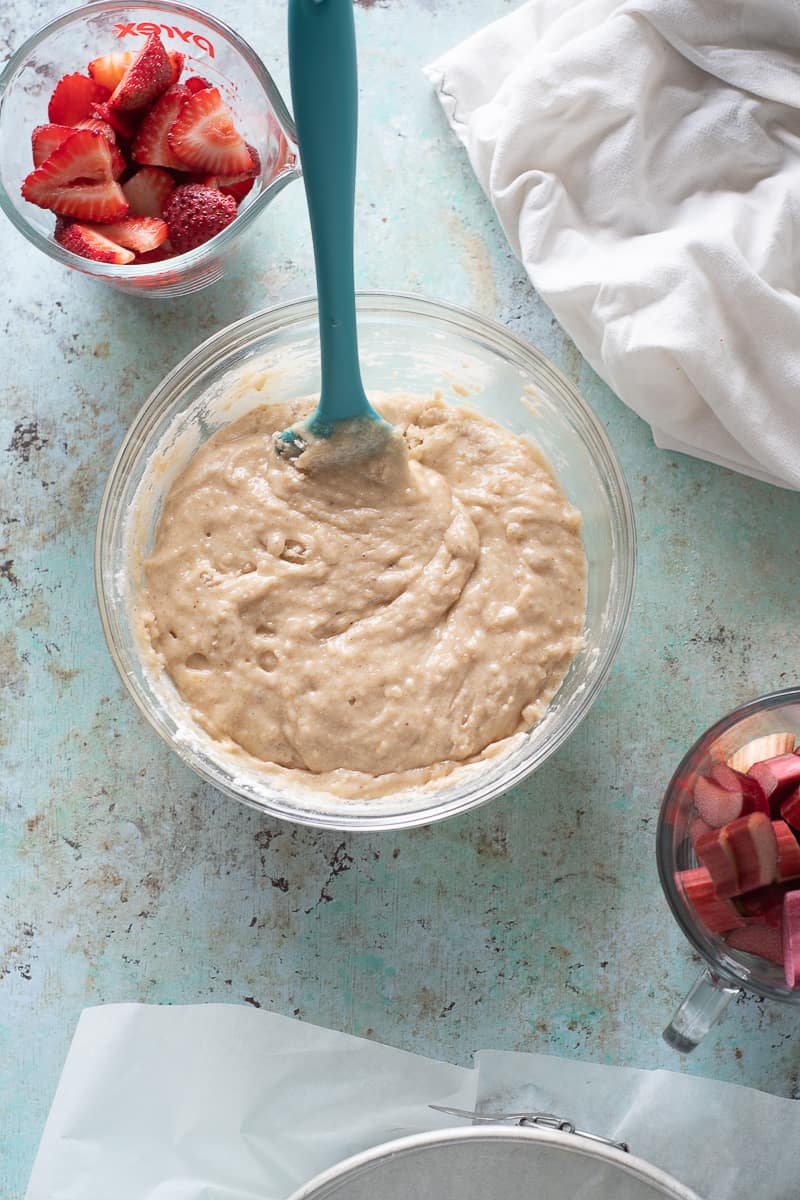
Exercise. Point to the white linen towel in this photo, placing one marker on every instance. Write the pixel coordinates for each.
(644, 161)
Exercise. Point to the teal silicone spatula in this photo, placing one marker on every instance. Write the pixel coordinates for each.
(322, 66)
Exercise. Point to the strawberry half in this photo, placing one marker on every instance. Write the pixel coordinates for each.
(73, 98)
(152, 145)
(196, 83)
(47, 138)
(141, 234)
(109, 69)
(205, 137)
(77, 180)
(118, 163)
(176, 60)
(195, 214)
(91, 243)
(147, 191)
(124, 124)
(145, 79)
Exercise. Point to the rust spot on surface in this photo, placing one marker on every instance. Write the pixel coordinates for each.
(25, 439)
(7, 572)
(32, 822)
(251, 1000)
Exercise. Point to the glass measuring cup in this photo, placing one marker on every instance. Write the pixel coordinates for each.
(728, 972)
(211, 49)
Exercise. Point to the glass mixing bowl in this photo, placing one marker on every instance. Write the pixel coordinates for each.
(212, 50)
(410, 344)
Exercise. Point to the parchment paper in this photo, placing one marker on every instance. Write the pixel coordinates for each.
(222, 1102)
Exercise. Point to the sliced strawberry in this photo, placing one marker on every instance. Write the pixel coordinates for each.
(718, 915)
(196, 83)
(73, 98)
(788, 851)
(176, 60)
(790, 808)
(91, 243)
(109, 69)
(141, 234)
(205, 137)
(160, 255)
(760, 748)
(238, 190)
(123, 123)
(145, 79)
(152, 145)
(76, 180)
(760, 940)
(791, 938)
(118, 163)
(195, 214)
(147, 191)
(47, 138)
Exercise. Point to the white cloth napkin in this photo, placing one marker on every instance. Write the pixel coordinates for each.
(644, 161)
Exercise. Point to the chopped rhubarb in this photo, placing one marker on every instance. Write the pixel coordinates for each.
(753, 797)
(716, 804)
(761, 940)
(717, 914)
(714, 852)
(791, 938)
(764, 906)
(788, 851)
(759, 749)
(790, 808)
(777, 775)
(697, 827)
(741, 856)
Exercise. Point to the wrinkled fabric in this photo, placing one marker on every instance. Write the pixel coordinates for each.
(644, 161)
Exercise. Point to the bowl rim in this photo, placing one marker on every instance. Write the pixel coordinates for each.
(190, 259)
(666, 863)
(385, 303)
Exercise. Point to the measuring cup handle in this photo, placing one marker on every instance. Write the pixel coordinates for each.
(701, 1009)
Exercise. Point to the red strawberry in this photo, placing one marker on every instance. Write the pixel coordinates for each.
(176, 63)
(153, 256)
(90, 243)
(141, 234)
(152, 145)
(204, 136)
(237, 190)
(195, 213)
(73, 98)
(147, 191)
(145, 79)
(109, 69)
(123, 123)
(196, 83)
(47, 138)
(77, 181)
(118, 163)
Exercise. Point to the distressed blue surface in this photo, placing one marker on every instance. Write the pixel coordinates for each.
(536, 923)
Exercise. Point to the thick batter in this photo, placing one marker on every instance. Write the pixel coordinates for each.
(375, 622)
